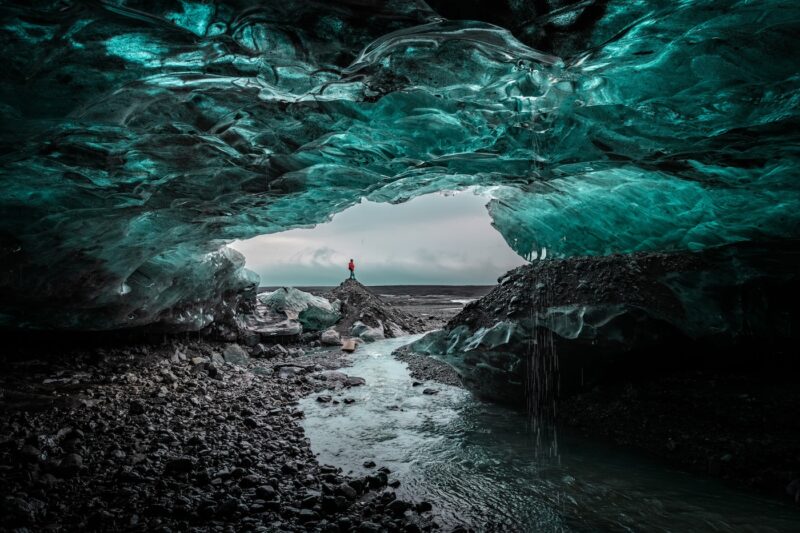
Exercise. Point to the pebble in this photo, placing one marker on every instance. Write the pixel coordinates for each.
(178, 442)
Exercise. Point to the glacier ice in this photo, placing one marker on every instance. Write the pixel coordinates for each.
(367, 333)
(140, 137)
(611, 317)
(313, 312)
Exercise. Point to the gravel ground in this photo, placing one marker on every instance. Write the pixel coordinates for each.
(177, 437)
(426, 368)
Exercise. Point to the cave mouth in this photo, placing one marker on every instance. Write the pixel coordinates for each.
(140, 138)
(648, 150)
(435, 239)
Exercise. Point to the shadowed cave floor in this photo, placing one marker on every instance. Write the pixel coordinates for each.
(147, 436)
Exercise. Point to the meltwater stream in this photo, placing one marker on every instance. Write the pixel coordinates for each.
(478, 464)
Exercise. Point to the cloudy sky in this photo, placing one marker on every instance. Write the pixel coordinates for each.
(433, 239)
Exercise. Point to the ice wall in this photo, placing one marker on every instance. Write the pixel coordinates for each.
(138, 137)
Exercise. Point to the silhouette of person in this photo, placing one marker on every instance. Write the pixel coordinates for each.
(352, 268)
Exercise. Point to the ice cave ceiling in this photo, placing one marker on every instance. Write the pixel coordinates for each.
(139, 136)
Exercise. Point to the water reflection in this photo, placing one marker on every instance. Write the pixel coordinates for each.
(478, 463)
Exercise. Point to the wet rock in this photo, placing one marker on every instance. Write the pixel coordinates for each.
(329, 505)
(117, 454)
(377, 481)
(346, 490)
(367, 333)
(178, 356)
(72, 434)
(136, 407)
(179, 465)
(228, 508)
(307, 515)
(267, 492)
(353, 381)
(323, 398)
(430, 392)
(330, 337)
(259, 350)
(70, 465)
(310, 501)
(235, 355)
(277, 351)
(369, 464)
(287, 372)
(167, 376)
(249, 338)
(423, 507)
(369, 527)
(30, 454)
(398, 507)
(249, 481)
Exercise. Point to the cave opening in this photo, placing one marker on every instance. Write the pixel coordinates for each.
(184, 184)
(435, 239)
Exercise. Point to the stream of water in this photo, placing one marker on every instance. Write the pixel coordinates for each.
(479, 465)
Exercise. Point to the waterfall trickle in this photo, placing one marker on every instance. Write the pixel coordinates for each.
(541, 372)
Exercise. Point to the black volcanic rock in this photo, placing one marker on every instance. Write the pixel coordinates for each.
(359, 304)
(559, 326)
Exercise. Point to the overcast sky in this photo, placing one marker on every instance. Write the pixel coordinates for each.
(433, 239)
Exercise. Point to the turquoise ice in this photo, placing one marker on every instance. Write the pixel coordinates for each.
(137, 142)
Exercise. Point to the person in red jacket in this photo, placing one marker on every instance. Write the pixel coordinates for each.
(352, 268)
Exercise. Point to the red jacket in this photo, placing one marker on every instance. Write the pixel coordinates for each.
(351, 266)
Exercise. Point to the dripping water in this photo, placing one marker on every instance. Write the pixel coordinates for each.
(541, 370)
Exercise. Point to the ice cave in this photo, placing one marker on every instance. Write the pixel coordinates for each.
(643, 162)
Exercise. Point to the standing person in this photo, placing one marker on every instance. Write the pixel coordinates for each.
(352, 268)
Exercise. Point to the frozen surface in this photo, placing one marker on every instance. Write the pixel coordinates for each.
(313, 312)
(139, 137)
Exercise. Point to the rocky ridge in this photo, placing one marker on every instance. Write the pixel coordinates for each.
(362, 309)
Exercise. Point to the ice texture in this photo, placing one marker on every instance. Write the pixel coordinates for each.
(313, 312)
(597, 318)
(139, 137)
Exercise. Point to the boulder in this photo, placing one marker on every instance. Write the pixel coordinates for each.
(235, 355)
(330, 337)
(312, 312)
(367, 333)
